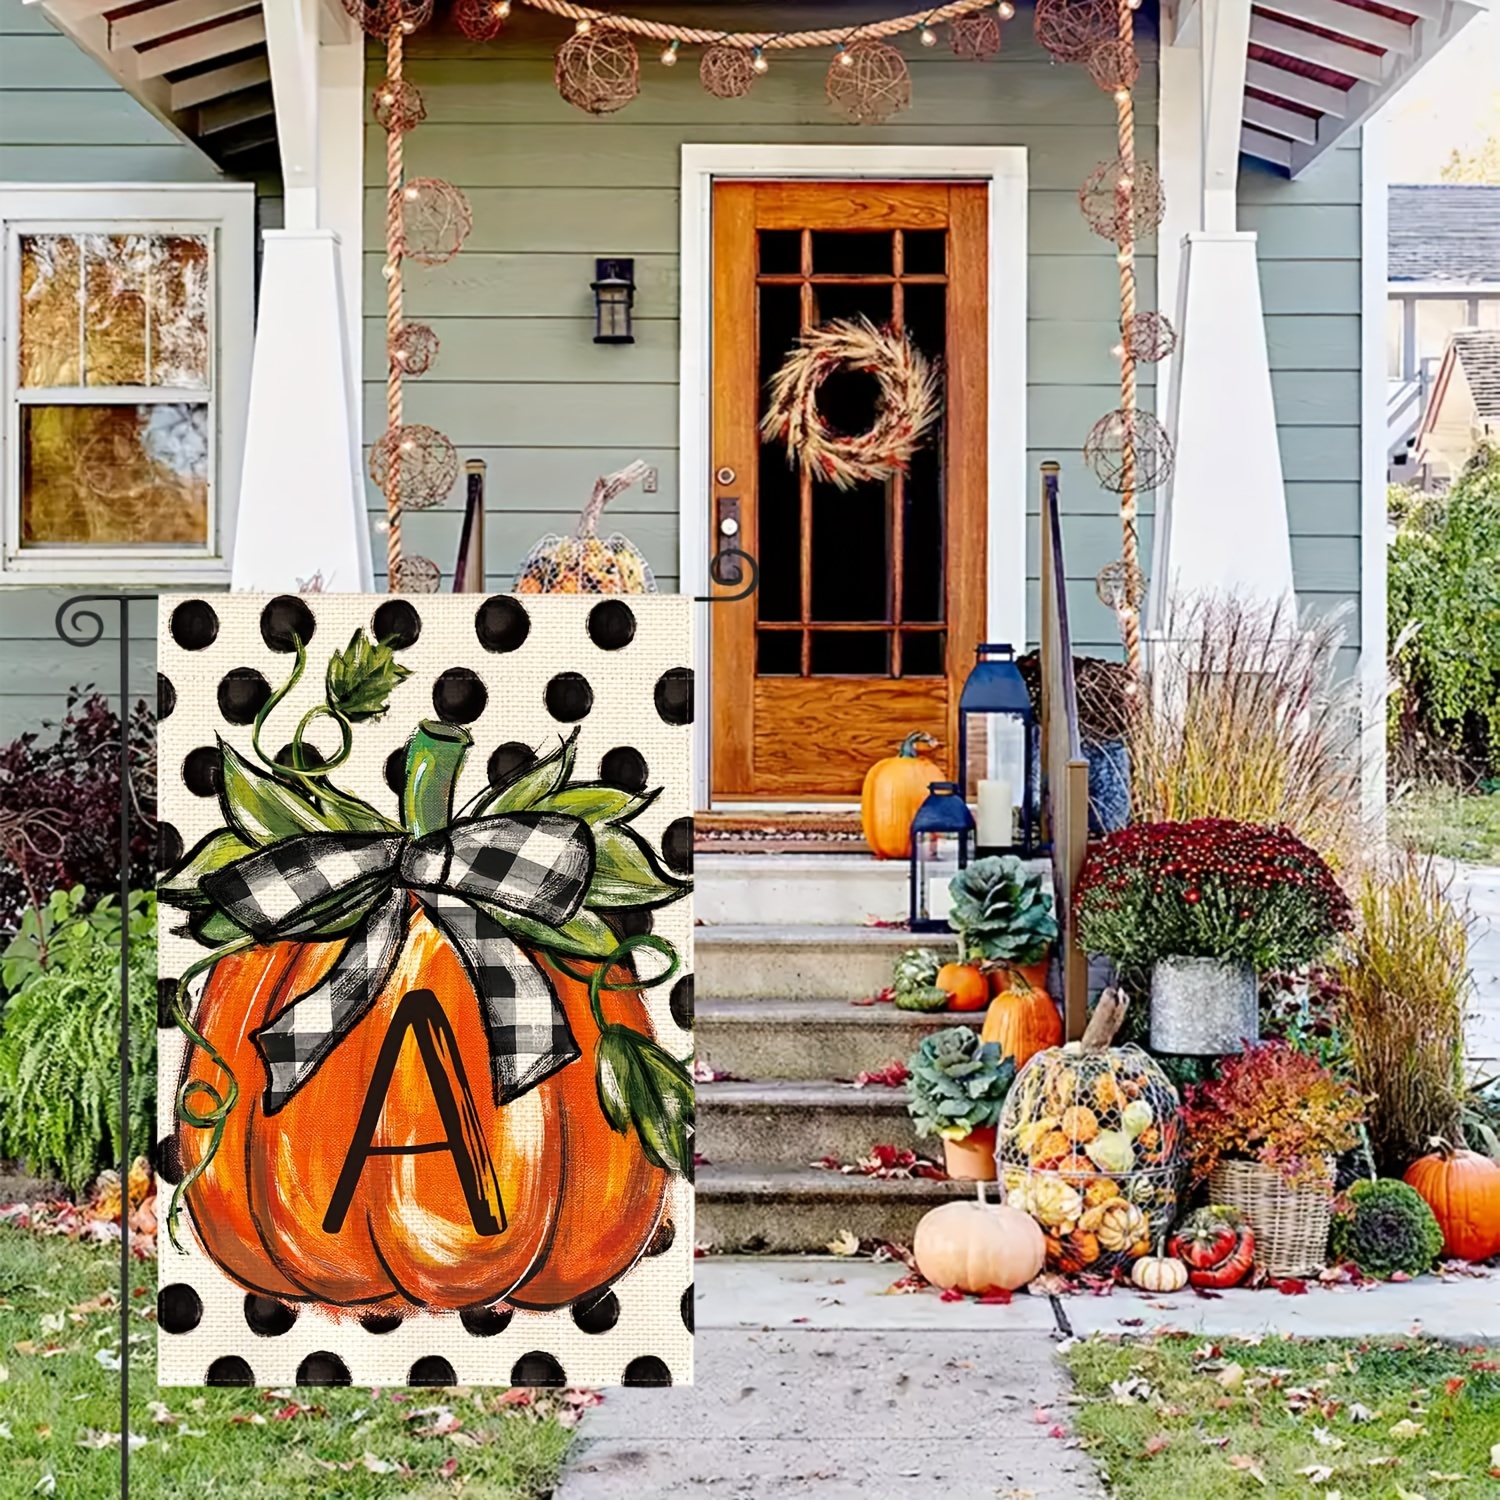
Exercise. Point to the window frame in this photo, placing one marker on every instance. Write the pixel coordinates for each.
(225, 213)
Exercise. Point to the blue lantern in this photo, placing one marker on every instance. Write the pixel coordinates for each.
(1004, 792)
(939, 848)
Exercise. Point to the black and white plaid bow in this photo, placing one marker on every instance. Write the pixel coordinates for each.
(467, 877)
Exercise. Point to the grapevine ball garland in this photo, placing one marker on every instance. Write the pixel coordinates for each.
(909, 402)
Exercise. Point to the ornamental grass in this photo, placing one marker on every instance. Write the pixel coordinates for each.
(1404, 972)
(1243, 715)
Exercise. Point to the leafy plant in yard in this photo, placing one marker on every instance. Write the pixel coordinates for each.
(1479, 1116)
(1212, 888)
(1404, 974)
(958, 1083)
(1384, 1227)
(1001, 912)
(1244, 715)
(59, 1050)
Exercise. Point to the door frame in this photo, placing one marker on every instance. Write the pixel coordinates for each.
(1003, 170)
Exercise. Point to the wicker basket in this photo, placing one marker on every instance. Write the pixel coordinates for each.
(1291, 1224)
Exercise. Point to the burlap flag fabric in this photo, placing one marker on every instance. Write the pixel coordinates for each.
(426, 990)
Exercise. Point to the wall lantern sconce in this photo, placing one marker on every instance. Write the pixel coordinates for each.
(614, 297)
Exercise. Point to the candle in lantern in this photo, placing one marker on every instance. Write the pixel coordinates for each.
(996, 820)
(939, 897)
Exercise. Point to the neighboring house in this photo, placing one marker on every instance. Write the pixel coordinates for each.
(1464, 407)
(1271, 261)
(1444, 276)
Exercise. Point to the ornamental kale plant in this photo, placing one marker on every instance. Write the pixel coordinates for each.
(958, 1083)
(1001, 913)
(1212, 888)
(1384, 1227)
(1275, 1106)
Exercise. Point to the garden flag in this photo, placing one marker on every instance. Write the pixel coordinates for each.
(426, 990)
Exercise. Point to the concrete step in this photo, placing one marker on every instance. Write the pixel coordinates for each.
(800, 961)
(798, 1122)
(812, 1039)
(759, 1207)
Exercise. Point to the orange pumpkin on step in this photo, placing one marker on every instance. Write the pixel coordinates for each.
(1024, 1022)
(894, 788)
(573, 1200)
(966, 987)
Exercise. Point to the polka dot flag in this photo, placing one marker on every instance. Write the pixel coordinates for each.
(455, 1187)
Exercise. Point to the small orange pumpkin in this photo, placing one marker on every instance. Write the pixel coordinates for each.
(1024, 1022)
(1079, 1123)
(894, 788)
(978, 1247)
(1462, 1188)
(966, 987)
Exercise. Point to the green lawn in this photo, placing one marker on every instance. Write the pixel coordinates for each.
(1404, 1420)
(54, 1407)
(1457, 825)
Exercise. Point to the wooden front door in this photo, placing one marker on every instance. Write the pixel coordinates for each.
(871, 600)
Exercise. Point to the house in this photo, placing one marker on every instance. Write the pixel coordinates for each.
(1444, 276)
(183, 133)
(1464, 407)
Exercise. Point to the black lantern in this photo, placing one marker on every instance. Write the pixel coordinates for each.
(614, 297)
(1004, 793)
(939, 849)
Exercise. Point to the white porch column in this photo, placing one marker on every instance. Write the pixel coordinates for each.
(302, 499)
(1221, 524)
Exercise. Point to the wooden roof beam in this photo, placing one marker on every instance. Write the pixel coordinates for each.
(1308, 47)
(201, 46)
(1265, 147)
(1296, 89)
(146, 26)
(1279, 121)
(201, 88)
(1351, 21)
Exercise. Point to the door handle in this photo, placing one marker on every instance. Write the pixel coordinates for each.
(725, 567)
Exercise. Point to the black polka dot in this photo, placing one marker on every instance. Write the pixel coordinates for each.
(597, 1312)
(432, 1369)
(674, 695)
(677, 846)
(381, 1322)
(166, 697)
(166, 997)
(687, 1309)
(397, 624)
(611, 624)
(194, 624)
(661, 1241)
(230, 1369)
(647, 1370)
(312, 757)
(203, 771)
(242, 694)
(322, 1369)
(268, 1316)
(168, 846)
(179, 1309)
(569, 697)
(458, 696)
(682, 1002)
(537, 1368)
(627, 924)
(507, 759)
(285, 621)
(395, 770)
(502, 624)
(486, 1322)
(624, 768)
(167, 1159)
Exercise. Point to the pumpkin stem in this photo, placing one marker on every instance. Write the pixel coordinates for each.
(433, 760)
(916, 742)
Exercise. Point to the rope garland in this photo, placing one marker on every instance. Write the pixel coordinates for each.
(1130, 611)
(394, 59)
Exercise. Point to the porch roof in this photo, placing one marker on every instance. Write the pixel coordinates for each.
(1478, 352)
(1446, 231)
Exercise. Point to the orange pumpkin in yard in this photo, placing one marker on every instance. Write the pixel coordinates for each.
(894, 788)
(1462, 1188)
(1024, 1022)
(555, 1204)
(966, 987)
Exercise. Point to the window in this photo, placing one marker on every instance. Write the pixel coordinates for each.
(128, 329)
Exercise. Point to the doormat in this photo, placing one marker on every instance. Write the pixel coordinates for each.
(781, 832)
(426, 990)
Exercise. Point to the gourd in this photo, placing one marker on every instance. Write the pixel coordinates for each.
(1024, 1022)
(1159, 1274)
(894, 788)
(1462, 1188)
(966, 988)
(914, 981)
(974, 1246)
(1216, 1244)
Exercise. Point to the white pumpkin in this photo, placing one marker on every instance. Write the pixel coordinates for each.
(979, 1247)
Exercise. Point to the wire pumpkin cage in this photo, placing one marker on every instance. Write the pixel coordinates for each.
(1089, 1145)
(586, 563)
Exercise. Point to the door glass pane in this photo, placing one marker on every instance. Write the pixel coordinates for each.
(114, 474)
(851, 653)
(781, 252)
(925, 252)
(851, 252)
(778, 653)
(851, 553)
(778, 545)
(922, 652)
(841, 300)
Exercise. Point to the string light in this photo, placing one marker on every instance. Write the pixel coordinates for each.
(584, 27)
(669, 57)
(929, 37)
(759, 62)
(1118, 351)
(503, 10)
(1007, 10)
(1121, 95)
(845, 60)
(1125, 257)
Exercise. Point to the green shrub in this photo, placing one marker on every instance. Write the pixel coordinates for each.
(1385, 1227)
(60, 1047)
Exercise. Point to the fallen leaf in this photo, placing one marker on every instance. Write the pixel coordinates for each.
(1324, 1438)
(378, 1465)
(1292, 1287)
(1359, 1412)
(1402, 1492)
(46, 1485)
(1231, 1377)
(465, 1440)
(1406, 1428)
(1247, 1465)
(108, 1359)
(448, 1468)
(1158, 1442)
(996, 1297)
(845, 1242)
(1316, 1473)
(1441, 1478)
